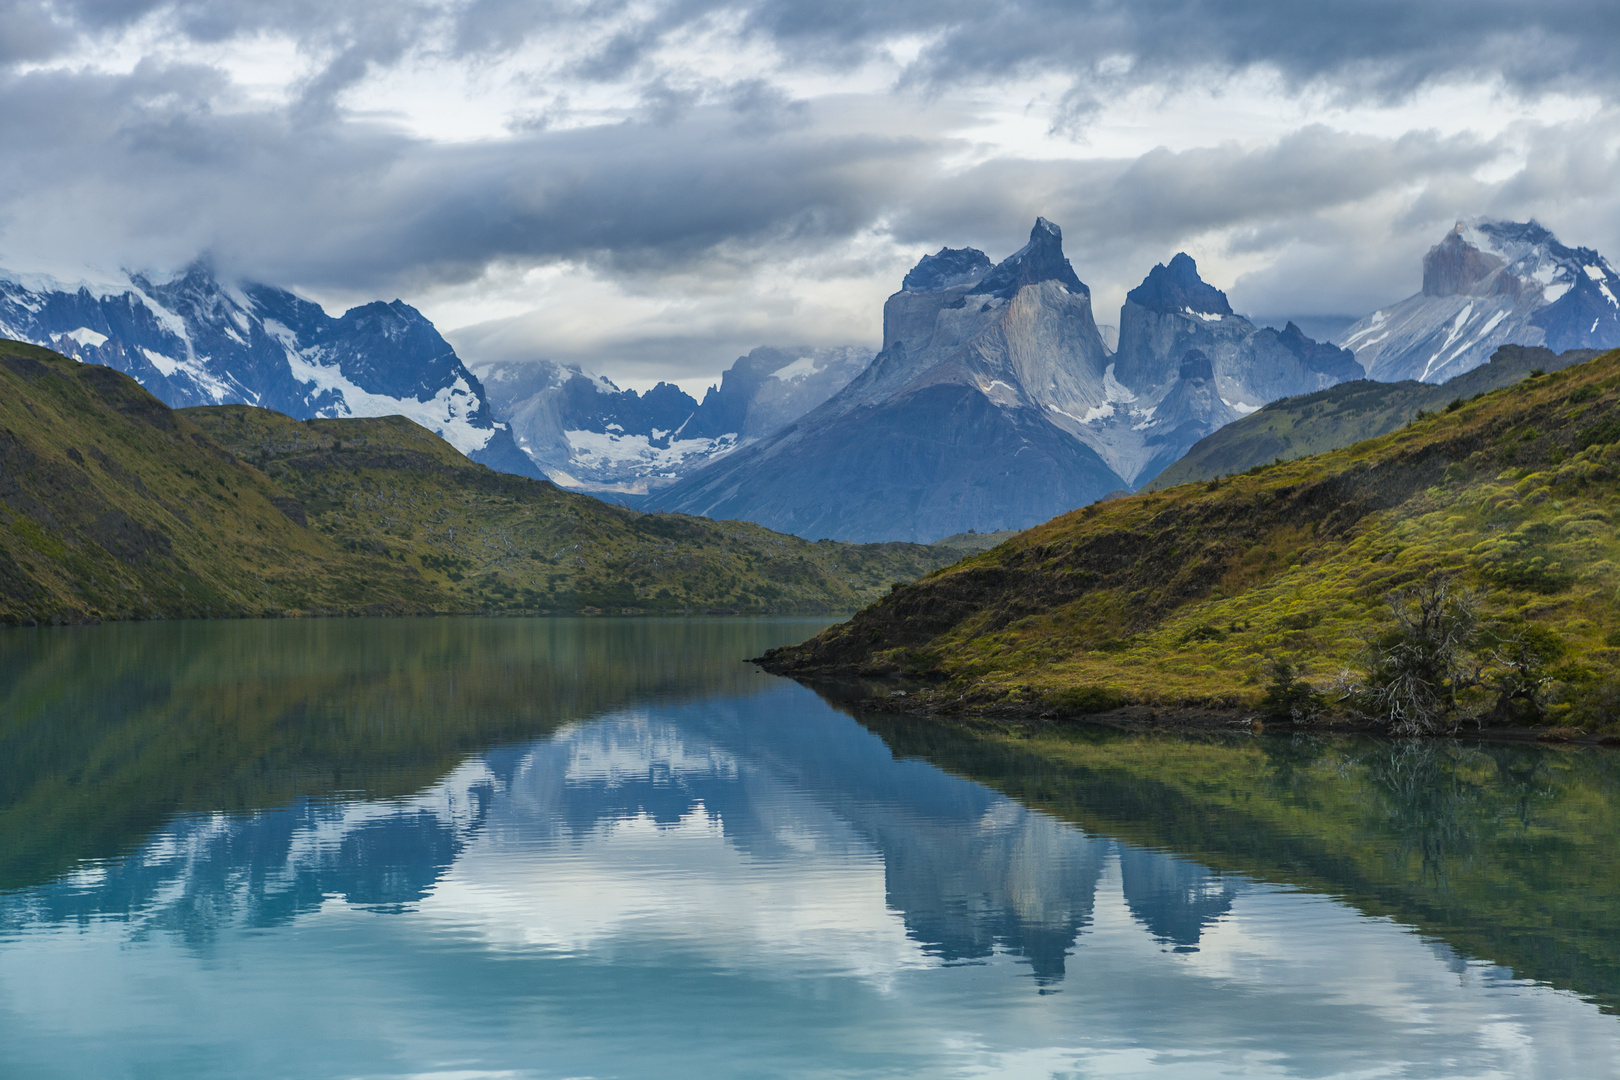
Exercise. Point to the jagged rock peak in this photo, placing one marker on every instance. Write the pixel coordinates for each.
(951, 266)
(1320, 356)
(1178, 288)
(1196, 364)
(1296, 341)
(1039, 260)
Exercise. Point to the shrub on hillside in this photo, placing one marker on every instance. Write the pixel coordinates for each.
(1439, 667)
(1516, 661)
(1288, 695)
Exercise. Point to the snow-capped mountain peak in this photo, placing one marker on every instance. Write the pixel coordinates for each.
(198, 340)
(1489, 283)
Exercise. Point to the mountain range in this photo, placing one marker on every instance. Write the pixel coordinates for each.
(198, 341)
(996, 404)
(585, 433)
(1486, 284)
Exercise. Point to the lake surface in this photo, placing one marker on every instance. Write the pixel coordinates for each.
(609, 848)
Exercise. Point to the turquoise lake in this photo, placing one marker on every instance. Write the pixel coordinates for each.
(559, 848)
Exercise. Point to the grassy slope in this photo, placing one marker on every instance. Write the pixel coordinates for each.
(112, 506)
(971, 543)
(1346, 414)
(493, 541)
(1504, 851)
(1178, 597)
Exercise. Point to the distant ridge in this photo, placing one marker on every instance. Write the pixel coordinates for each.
(586, 434)
(1297, 427)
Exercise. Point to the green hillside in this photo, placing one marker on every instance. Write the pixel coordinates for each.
(1188, 597)
(971, 543)
(494, 541)
(112, 506)
(1346, 414)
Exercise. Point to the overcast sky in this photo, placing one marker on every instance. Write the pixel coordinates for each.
(650, 187)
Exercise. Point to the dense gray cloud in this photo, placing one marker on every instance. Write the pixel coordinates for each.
(1382, 46)
(1161, 196)
(140, 165)
(701, 175)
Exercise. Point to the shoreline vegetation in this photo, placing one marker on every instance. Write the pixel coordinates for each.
(1457, 575)
(1023, 722)
(115, 507)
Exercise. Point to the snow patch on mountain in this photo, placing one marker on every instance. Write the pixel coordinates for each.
(604, 450)
(86, 336)
(1116, 390)
(802, 368)
(455, 412)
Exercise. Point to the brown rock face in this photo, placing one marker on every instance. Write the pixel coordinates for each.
(1454, 267)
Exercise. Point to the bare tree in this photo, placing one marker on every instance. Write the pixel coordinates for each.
(1417, 672)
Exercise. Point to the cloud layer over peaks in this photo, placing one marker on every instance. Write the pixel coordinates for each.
(657, 184)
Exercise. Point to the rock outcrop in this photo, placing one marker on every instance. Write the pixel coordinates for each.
(965, 420)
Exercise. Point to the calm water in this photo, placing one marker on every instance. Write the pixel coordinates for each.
(608, 848)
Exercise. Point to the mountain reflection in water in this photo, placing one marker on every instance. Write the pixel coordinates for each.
(639, 857)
